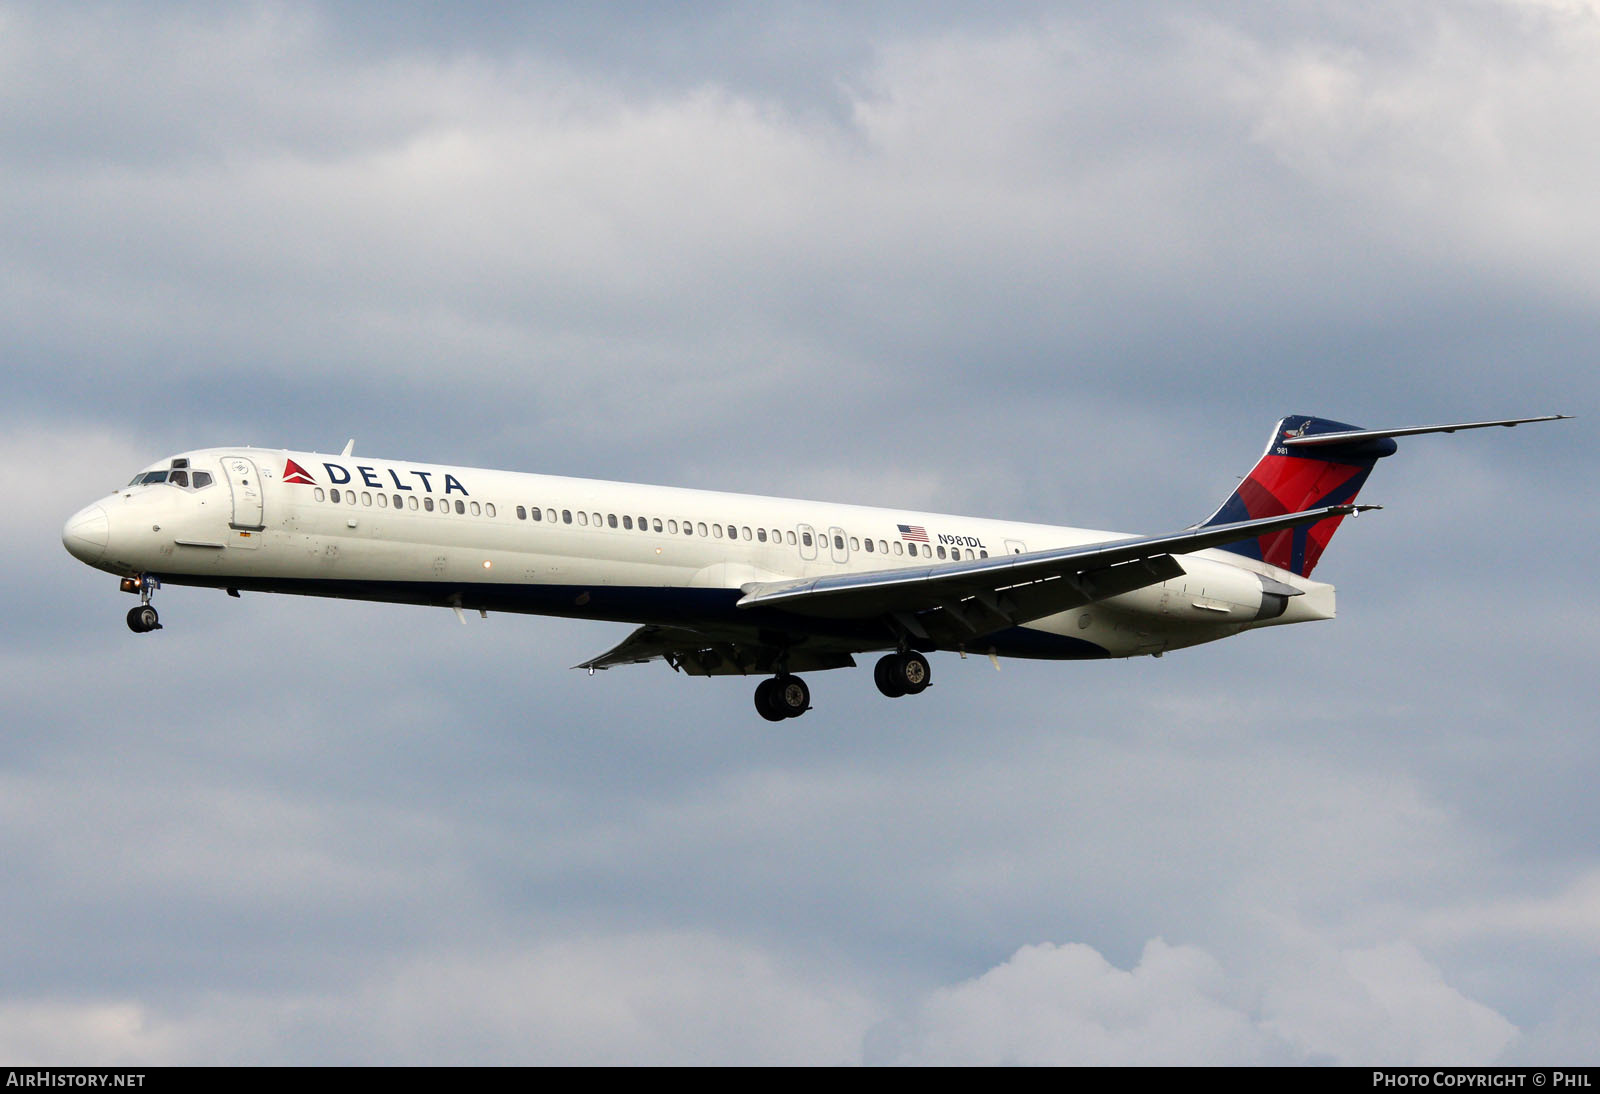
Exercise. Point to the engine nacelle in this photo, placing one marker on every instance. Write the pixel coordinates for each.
(1209, 594)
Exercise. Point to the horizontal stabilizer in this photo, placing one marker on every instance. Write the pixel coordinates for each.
(1352, 436)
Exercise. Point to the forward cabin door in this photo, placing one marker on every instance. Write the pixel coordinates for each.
(248, 515)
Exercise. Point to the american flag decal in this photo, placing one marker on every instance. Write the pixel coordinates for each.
(916, 533)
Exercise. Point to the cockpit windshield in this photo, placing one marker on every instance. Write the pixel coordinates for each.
(182, 479)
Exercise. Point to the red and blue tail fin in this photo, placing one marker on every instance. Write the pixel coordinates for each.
(1292, 478)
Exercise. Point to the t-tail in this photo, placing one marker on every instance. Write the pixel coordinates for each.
(1312, 462)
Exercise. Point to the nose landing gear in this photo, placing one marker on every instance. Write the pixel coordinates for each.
(142, 619)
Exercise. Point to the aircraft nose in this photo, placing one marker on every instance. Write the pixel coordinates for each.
(86, 533)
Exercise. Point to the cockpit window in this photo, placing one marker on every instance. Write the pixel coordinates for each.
(182, 478)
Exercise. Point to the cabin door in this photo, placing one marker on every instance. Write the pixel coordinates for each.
(245, 483)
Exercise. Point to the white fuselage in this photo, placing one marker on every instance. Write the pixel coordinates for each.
(474, 539)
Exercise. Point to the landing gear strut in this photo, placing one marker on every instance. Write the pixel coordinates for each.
(898, 674)
(143, 619)
(782, 697)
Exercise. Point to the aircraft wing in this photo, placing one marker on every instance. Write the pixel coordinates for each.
(979, 596)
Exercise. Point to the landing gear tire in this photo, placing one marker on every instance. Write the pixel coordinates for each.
(764, 704)
(143, 619)
(883, 674)
(782, 697)
(898, 674)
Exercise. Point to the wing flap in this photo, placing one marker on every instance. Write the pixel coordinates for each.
(699, 654)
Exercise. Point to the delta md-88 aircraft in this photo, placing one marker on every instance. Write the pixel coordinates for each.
(733, 583)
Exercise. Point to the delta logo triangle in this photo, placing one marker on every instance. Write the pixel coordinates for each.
(293, 472)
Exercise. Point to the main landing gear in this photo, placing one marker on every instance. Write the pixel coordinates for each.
(142, 619)
(782, 697)
(898, 674)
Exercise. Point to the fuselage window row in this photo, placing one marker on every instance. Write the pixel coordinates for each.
(367, 500)
(626, 522)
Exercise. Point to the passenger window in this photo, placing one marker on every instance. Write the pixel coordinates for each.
(400, 502)
(427, 503)
(611, 519)
(745, 531)
(489, 508)
(522, 512)
(983, 554)
(333, 495)
(869, 546)
(475, 510)
(320, 495)
(883, 548)
(761, 535)
(855, 544)
(461, 508)
(411, 502)
(583, 519)
(838, 543)
(672, 527)
(597, 520)
(805, 539)
(941, 550)
(627, 523)
(656, 525)
(701, 527)
(897, 547)
(716, 530)
(383, 501)
(366, 499)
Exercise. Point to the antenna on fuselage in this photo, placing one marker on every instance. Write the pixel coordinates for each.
(349, 447)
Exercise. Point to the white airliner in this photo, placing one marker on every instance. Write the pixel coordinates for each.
(733, 583)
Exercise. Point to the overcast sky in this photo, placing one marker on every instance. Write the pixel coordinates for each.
(1058, 262)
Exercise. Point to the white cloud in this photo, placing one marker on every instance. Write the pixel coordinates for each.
(1384, 1005)
(34, 1034)
(660, 997)
(1066, 1005)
